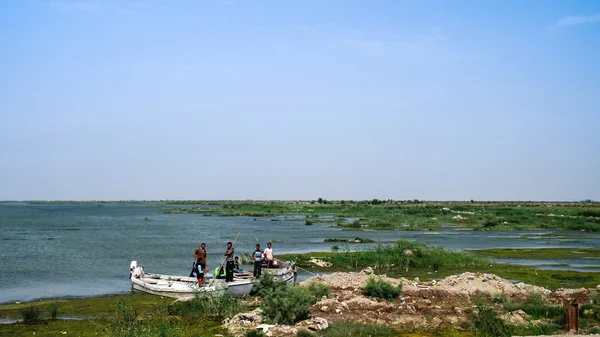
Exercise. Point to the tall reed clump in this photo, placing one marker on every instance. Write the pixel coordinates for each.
(127, 323)
(535, 307)
(219, 306)
(403, 255)
(54, 310)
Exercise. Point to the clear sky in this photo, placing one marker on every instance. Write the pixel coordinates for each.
(339, 99)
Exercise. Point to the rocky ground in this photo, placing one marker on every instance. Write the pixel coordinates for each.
(424, 305)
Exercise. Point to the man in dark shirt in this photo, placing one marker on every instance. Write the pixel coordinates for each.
(258, 257)
(229, 255)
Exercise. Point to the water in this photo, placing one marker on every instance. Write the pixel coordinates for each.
(51, 250)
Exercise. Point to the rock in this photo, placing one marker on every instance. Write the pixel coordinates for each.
(436, 321)
(320, 263)
(239, 324)
(408, 252)
(315, 324)
(363, 303)
(367, 271)
(518, 317)
(280, 330)
(324, 308)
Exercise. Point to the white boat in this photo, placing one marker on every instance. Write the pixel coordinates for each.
(281, 271)
(184, 287)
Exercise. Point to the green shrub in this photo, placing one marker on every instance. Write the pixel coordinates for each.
(207, 306)
(490, 224)
(305, 333)
(486, 323)
(287, 305)
(381, 289)
(266, 284)
(31, 314)
(308, 223)
(319, 289)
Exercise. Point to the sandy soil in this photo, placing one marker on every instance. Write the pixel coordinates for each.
(423, 305)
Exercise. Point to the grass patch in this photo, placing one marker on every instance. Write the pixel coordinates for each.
(306, 333)
(538, 253)
(358, 330)
(411, 214)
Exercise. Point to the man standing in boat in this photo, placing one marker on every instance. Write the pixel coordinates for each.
(268, 255)
(229, 254)
(258, 258)
(200, 264)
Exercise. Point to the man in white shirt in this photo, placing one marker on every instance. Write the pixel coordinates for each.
(268, 255)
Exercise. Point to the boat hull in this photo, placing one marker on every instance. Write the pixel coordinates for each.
(174, 289)
(184, 287)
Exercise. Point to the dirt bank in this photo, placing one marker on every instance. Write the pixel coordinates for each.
(423, 305)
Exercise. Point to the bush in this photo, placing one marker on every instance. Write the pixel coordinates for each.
(254, 333)
(308, 223)
(490, 224)
(381, 289)
(207, 306)
(266, 285)
(287, 305)
(31, 314)
(486, 323)
(318, 290)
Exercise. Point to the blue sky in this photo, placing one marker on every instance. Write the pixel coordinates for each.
(434, 100)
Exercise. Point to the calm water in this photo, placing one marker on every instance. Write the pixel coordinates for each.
(85, 250)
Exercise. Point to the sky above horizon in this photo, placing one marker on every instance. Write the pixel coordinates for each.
(276, 100)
